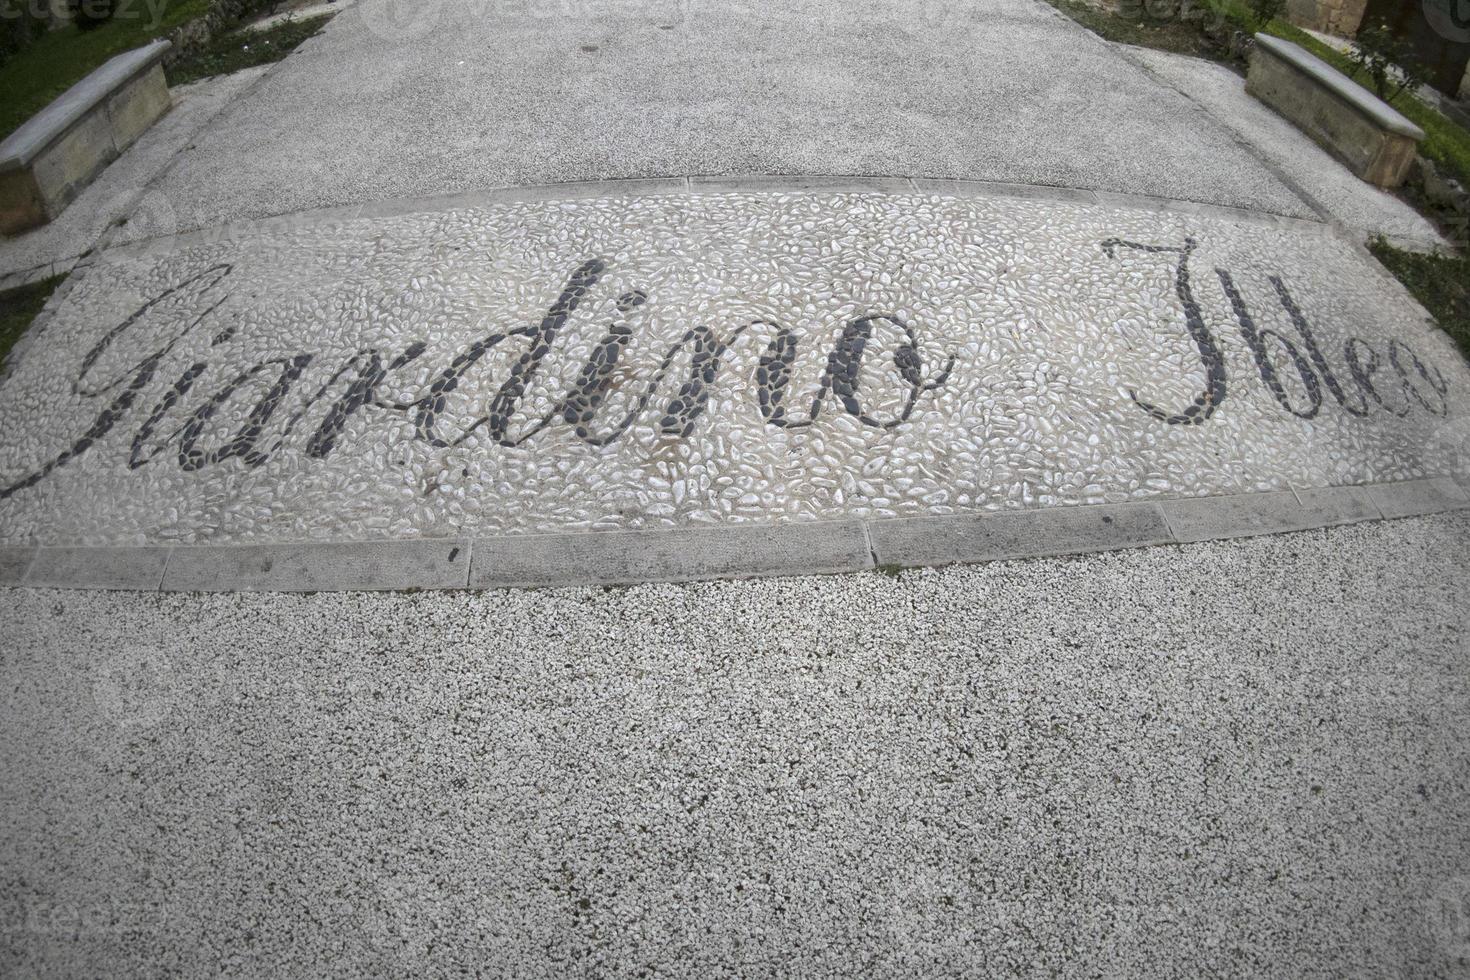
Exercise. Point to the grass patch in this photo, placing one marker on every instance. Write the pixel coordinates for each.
(236, 51)
(19, 307)
(59, 59)
(1441, 284)
(1167, 34)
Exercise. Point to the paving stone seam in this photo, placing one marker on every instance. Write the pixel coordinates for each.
(696, 185)
(745, 550)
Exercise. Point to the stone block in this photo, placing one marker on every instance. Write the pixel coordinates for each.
(14, 561)
(369, 566)
(137, 569)
(1413, 498)
(1365, 133)
(22, 205)
(674, 555)
(71, 163)
(1022, 534)
(1340, 17)
(137, 105)
(1442, 191)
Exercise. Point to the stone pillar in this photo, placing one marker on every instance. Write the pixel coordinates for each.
(1305, 13)
(1340, 17)
(1348, 17)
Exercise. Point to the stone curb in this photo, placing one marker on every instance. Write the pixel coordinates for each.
(1022, 534)
(368, 566)
(682, 554)
(717, 552)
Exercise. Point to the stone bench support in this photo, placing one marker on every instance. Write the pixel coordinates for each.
(1341, 116)
(47, 162)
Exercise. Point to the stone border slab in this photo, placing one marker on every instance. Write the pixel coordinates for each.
(1417, 497)
(705, 185)
(1328, 506)
(368, 566)
(14, 563)
(593, 558)
(1024, 534)
(98, 568)
(684, 554)
(1244, 515)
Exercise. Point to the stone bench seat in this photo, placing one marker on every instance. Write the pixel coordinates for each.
(1345, 119)
(47, 162)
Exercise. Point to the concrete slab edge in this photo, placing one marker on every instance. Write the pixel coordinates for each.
(26, 277)
(716, 552)
(698, 185)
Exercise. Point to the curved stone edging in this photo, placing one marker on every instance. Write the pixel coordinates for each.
(696, 185)
(661, 186)
(720, 552)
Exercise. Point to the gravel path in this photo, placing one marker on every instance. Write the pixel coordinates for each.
(1334, 188)
(1241, 759)
(408, 98)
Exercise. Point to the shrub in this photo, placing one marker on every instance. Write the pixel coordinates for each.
(89, 14)
(1387, 61)
(19, 26)
(1263, 12)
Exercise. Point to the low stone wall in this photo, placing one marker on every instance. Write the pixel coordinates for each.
(46, 163)
(1340, 17)
(1362, 131)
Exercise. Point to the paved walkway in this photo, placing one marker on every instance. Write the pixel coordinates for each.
(408, 98)
(675, 356)
(1229, 758)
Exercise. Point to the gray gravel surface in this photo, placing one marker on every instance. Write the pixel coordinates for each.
(1231, 759)
(1351, 201)
(409, 98)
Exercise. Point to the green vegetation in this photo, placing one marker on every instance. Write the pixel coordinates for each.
(18, 308)
(57, 60)
(233, 52)
(1263, 12)
(1441, 283)
(1165, 34)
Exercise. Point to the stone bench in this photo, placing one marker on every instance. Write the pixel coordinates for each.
(1341, 116)
(47, 162)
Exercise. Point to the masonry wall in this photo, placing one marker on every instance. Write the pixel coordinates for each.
(1341, 17)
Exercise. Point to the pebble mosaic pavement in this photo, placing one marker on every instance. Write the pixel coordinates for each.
(674, 360)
